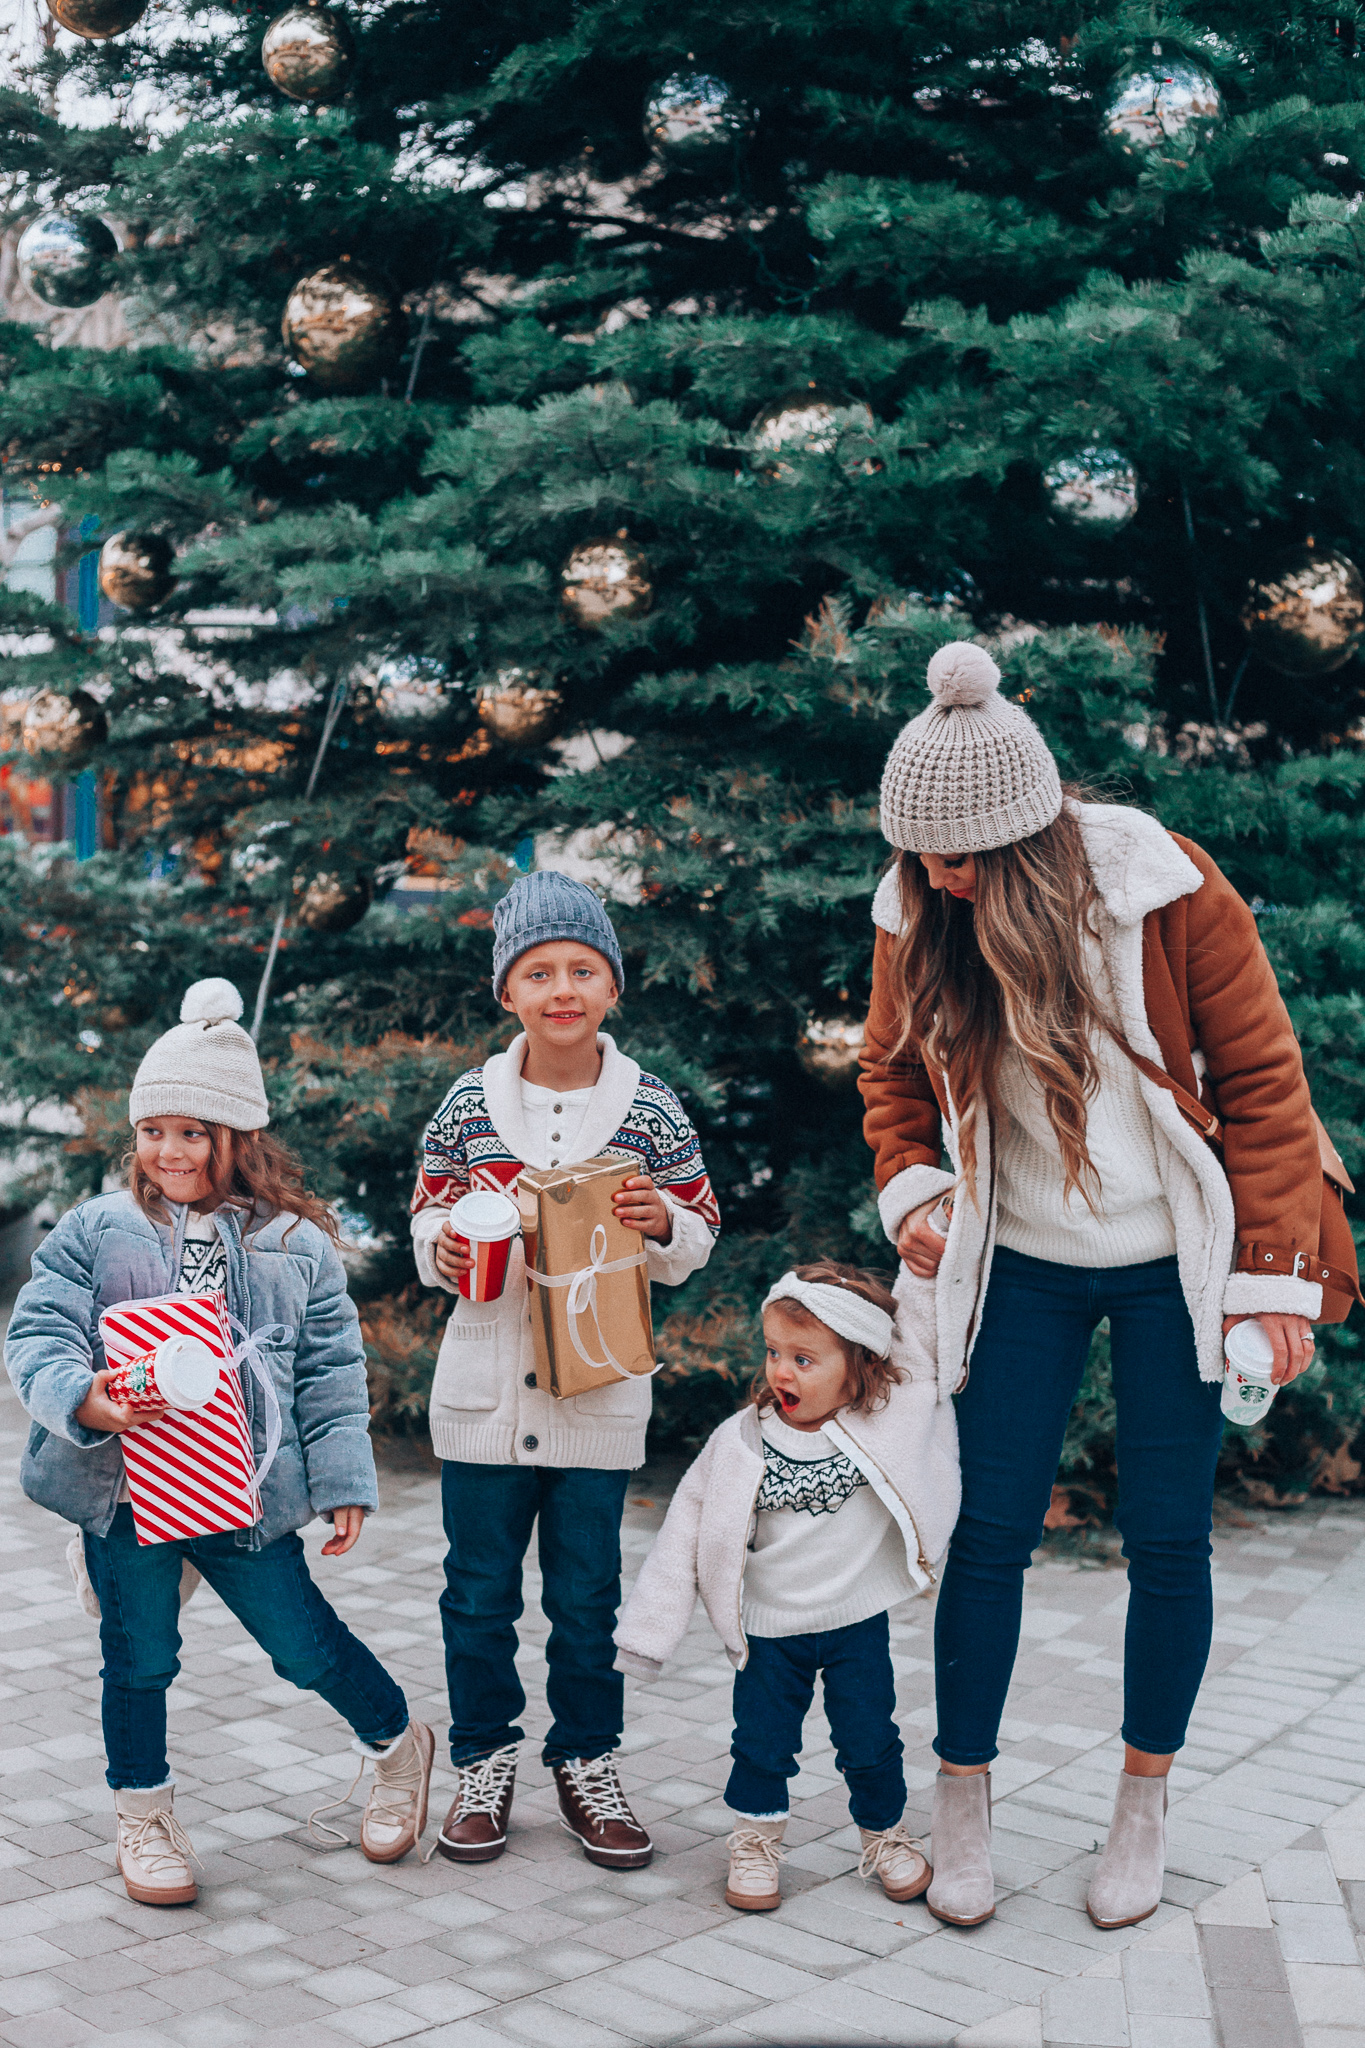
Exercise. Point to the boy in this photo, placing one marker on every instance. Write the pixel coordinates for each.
(561, 1092)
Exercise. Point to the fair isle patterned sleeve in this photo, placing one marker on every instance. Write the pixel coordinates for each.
(659, 1133)
(443, 1173)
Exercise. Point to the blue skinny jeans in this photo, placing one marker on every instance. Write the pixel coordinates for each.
(272, 1594)
(1012, 1415)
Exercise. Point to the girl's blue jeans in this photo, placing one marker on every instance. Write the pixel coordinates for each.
(1012, 1415)
(273, 1596)
(773, 1694)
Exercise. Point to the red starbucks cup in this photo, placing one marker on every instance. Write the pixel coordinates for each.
(483, 1225)
(180, 1373)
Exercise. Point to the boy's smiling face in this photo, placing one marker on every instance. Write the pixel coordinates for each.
(561, 992)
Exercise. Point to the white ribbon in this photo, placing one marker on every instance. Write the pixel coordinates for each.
(248, 1353)
(582, 1298)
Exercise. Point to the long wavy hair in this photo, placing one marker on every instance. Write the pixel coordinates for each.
(970, 978)
(249, 1171)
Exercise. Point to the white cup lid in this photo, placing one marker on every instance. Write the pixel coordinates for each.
(186, 1372)
(485, 1215)
(1249, 1348)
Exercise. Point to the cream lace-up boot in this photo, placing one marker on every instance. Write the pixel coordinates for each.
(896, 1860)
(756, 1854)
(154, 1852)
(396, 1810)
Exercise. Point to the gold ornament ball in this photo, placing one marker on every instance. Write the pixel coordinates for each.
(1308, 616)
(343, 326)
(692, 120)
(519, 710)
(64, 258)
(308, 53)
(828, 1049)
(333, 903)
(812, 422)
(606, 579)
(70, 727)
(96, 19)
(1164, 107)
(136, 570)
(1095, 490)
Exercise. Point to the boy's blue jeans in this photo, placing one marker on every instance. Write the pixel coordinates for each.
(773, 1694)
(489, 1512)
(273, 1596)
(1011, 1417)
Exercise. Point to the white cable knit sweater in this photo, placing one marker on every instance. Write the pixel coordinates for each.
(1037, 1215)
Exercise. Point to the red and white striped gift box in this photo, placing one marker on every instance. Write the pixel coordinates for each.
(191, 1474)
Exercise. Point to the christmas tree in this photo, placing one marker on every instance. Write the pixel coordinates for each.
(652, 397)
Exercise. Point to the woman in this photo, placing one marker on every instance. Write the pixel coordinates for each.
(1028, 945)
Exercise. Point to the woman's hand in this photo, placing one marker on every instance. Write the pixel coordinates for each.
(919, 1246)
(639, 1205)
(452, 1260)
(347, 1524)
(110, 1418)
(1292, 1337)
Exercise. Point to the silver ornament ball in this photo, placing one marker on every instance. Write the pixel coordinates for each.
(343, 326)
(331, 902)
(1161, 108)
(136, 570)
(1095, 490)
(308, 53)
(519, 708)
(828, 1049)
(69, 727)
(693, 119)
(64, 258)
(96, 20)
(606, 579)
(813, 422)
(1307, 617)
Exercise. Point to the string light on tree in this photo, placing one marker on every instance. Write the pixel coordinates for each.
(1162, 107)
(308, 54)
(606, 579)
(64, 258)
(1307, 617)
(343, 326)
(96, 20)
(68, 727)
(519, 709)
(1095, 490)
(137, 570)
(692, 120)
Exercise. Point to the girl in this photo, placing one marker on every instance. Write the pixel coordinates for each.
(823, 1503)
(1041, 966)
(212, 1203)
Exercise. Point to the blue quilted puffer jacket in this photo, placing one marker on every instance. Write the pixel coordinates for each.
(107, 1251)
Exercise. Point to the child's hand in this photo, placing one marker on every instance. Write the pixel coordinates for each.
(640, 1206)
(450, 1257)
(110, 1418)
(347, 1524)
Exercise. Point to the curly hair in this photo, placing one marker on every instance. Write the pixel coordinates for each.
(248, 1171)
(872, 1378)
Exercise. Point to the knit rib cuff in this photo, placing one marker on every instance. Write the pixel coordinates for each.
(906, 1190)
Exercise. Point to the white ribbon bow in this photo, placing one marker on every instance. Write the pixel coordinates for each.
(248, 1353)
(582, 1287)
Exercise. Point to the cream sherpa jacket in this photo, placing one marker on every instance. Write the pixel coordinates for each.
(906, 1450)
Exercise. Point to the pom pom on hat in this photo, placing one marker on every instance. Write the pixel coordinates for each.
(962, 673)
(214, 1001)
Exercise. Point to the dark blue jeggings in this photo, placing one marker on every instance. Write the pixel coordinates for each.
(1012, 1415)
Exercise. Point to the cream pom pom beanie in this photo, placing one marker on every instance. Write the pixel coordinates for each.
(973, 771)
(205, 1066)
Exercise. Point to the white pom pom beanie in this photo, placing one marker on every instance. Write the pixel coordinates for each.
(973, 771)
(205, 1066)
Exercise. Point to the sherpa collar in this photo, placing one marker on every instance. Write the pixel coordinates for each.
(611, 1100)
(1136, 865)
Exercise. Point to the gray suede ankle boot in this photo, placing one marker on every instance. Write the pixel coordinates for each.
(1127, 1886)
(963, 1890)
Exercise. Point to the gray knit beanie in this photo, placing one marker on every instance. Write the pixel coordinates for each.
(973, 771)
(545, 906)
(205, 1066)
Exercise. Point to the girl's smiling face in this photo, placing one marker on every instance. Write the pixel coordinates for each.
(807, 1369)
(176, 1153)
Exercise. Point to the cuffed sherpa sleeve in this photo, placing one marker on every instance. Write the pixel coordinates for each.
(655, 1618)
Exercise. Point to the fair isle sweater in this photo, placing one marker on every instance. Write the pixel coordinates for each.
(485, 1406)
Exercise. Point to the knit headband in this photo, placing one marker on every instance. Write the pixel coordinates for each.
(848, 1314)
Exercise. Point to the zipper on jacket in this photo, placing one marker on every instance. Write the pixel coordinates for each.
(892, 1488)
(739, 1586)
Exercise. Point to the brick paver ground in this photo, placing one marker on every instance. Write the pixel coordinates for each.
(302, 1947)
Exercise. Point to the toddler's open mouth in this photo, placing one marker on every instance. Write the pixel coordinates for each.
(789, 1400)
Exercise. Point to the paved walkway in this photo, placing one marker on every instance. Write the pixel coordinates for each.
(304, 1947)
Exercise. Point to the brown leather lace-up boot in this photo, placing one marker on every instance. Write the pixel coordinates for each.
(475, 1829)
(593, 1808)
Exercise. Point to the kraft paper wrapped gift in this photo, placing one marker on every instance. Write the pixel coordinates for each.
(590, 1318)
